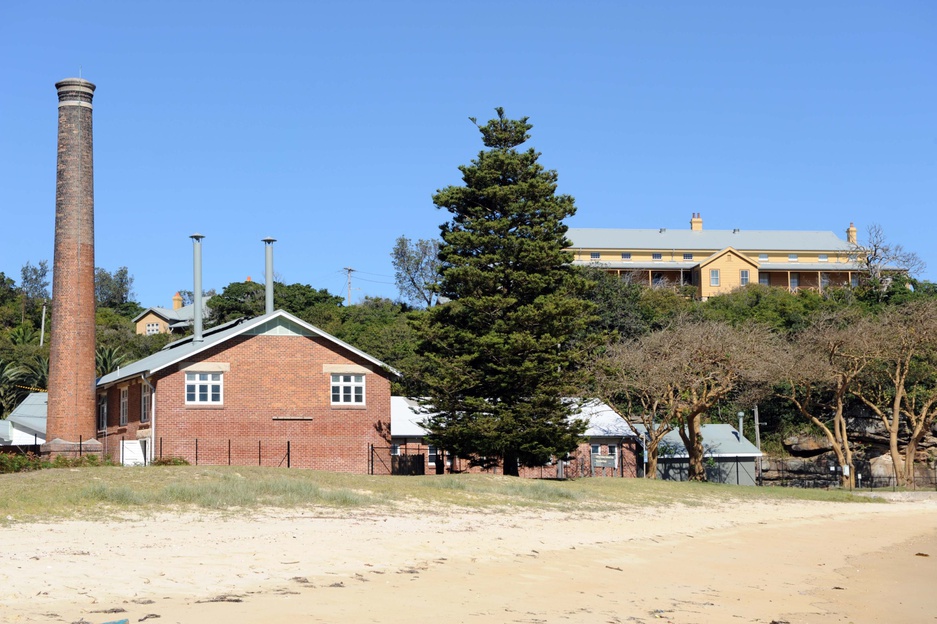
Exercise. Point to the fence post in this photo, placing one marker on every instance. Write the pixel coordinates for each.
(287, 453)
(122, 450)
(258, 453)
(80, 444)
(196, 451)
(160, 447)
(229, 451)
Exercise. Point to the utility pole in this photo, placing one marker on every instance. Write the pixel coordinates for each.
(349, 271)
(759, 470)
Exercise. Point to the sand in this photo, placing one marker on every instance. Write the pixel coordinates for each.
(793, 562)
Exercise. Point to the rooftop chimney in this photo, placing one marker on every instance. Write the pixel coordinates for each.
(851, 234)
(177, 301)
(71, 410)
(268, 274)
(696, 222)
(197, 288)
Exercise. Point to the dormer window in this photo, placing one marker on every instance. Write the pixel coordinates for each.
(762, 257)
(823, 258)
(626, 255)
(792, 257)
(595, 255)
(687, 256)
(657, 256)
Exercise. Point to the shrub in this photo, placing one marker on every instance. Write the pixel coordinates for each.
(15, 462)
(169, 461)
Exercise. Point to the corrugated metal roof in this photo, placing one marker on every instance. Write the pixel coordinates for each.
(180, 350)
(705, 240)
(31, 413)
(406, 420)
(719, 440)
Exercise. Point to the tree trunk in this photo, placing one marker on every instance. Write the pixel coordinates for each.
(651, 471)
(510, 464)
(693, 441)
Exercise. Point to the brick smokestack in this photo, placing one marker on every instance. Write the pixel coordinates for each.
(71, 414)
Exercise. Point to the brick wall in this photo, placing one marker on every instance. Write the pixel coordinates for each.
(275, 392)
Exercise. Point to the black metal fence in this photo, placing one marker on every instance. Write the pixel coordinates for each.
(388, 460)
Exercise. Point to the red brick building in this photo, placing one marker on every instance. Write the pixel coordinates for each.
(271, 391)
(611, 447)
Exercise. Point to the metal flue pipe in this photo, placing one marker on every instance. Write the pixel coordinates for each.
(268, 274)
(197, 287)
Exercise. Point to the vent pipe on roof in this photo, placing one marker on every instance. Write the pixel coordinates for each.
(197, 287)
(268, 274)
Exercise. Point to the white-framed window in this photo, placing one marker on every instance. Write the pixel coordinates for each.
(743, 277)
(687, 256)
(347, 389)
(762, 257)
(657, 256)
(102, 412)
(626, 255)
(795, 281)
(432, 454)
(792, 257)
(824, 280)
(595, 255)
(124, 405)
(204, 388)
(713, 277)
(596, 449)
(145, 399)
(823, 258)
(395, 449)
(152, 328)
(854, 280)
(613, 451)
(764, 279)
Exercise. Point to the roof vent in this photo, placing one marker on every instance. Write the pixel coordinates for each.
(662, 230)
(736, 231)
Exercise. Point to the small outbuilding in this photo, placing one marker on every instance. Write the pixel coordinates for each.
(728, 456)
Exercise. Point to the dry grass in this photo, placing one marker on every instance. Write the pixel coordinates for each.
(104, 492)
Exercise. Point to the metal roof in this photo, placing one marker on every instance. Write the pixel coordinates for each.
(719, 440)
(31, 413)
(406, 419)
(180, 350)
(711, 240)
(185, 313)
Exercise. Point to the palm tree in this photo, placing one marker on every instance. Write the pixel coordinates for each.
(108, 359)
(36, 373)
(9, 391)
(23, 335)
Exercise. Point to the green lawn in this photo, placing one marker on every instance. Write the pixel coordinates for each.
(109, 491)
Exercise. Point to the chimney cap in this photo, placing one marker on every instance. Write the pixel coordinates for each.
(197, 236)
(268, 240)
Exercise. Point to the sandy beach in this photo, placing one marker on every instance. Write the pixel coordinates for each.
(795, 562)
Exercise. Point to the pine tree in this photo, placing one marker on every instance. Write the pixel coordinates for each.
(504, 350)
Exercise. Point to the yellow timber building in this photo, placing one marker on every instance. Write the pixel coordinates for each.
(719, 261)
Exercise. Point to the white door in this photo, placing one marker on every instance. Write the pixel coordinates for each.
(133, 453)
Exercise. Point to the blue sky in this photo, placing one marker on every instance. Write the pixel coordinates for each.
(329, 125)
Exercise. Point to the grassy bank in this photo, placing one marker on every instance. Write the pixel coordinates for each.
(104, 492)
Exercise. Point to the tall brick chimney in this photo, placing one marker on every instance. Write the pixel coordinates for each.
(71, 412)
